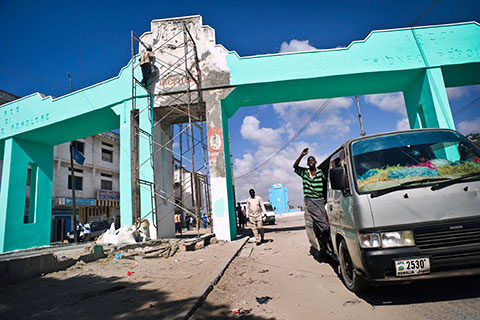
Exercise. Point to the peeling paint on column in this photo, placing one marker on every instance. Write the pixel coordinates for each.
(166, 40)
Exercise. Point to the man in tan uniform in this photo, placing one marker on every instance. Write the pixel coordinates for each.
(255, 210)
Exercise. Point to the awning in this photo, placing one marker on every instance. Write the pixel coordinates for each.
(107, 203)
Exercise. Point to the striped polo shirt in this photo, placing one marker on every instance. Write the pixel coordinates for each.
(312, 187)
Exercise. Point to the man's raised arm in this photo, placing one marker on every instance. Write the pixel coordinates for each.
(297, 162)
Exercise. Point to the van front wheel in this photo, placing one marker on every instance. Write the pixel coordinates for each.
(351, 280)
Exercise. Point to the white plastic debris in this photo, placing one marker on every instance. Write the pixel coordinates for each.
(124, 235)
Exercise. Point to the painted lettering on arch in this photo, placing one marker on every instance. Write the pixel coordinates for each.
(13, 120)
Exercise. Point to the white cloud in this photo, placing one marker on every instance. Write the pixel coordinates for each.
(296, 45)
(403, 124)
(393, 102)
(330, 121)
(333, 123)
(278, 170)
(454, 93)
(250, 130)
(467, 127)
(243, 165)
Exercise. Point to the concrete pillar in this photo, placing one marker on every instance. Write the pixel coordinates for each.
(223, 205)
(164, 181)
(427, 102)
(14, 232)
(145, 161)
(124, 111)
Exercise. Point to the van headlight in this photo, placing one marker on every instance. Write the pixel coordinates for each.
(370, 240)
(391, 239)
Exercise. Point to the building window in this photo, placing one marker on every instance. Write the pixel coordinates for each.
(29, 175)
(107, 144)
(78, 183)
(107, 155)
(29, 214)
(106, 175)
(75, 169)
(106, 184)
(80, 146)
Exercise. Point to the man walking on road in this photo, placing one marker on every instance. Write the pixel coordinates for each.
(256, 209)
(313, 180)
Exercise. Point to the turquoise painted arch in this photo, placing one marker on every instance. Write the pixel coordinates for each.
(421, 62)
(31, 126)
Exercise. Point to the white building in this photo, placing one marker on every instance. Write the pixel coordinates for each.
(184, 192)
(96, 182)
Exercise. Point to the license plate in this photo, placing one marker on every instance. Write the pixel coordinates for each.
(412, 267)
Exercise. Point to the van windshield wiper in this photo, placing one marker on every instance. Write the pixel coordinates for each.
(402, 185)
(441, 185)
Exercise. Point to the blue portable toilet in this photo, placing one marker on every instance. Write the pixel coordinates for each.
(278, 195)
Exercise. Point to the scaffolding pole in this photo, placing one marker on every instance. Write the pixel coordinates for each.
(174, 108)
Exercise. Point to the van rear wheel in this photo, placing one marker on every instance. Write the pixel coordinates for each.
(350, 278)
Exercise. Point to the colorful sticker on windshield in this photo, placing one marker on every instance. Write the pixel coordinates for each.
(381, 178)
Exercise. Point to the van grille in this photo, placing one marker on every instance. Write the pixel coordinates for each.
(448, 236)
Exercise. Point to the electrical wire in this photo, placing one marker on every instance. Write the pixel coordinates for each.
(319, 110)
(466, 107)
(425, 12)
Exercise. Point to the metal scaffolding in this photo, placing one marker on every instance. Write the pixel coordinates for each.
(174, 101)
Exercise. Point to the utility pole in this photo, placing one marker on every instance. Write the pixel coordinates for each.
(72, 177)
(362, 133)
(70, 78)
(74, 205)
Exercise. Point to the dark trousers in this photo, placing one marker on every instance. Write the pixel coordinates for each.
(146, 71)
(316, 209)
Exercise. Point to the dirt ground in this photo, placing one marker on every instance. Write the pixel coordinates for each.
(276, 280)
(133, 288)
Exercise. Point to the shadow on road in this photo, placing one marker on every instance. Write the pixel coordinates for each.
(268, 229)
(325, 259)
(94, 297)
(434, 290)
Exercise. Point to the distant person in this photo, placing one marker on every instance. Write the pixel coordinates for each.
(87, 230)
(177, 220)
(245, 220)
(238, 211)
(146, 59)
(256, 209)
(313, 180)
(204, 220)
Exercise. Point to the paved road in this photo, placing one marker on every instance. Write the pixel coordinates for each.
(302, 288)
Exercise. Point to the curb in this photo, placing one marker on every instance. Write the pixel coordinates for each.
(191, 310)
(17, 269)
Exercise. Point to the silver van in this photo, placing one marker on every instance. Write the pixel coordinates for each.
(403, 206)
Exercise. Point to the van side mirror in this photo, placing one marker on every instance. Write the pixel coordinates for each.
(337, 178)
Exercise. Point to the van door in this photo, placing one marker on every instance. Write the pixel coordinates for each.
(339, 202)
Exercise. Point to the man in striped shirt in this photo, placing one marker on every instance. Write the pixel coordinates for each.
(313, 180)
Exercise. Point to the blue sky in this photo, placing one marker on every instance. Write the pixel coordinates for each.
(43, 40)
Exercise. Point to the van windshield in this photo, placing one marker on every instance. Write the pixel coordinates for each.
(413, 159)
